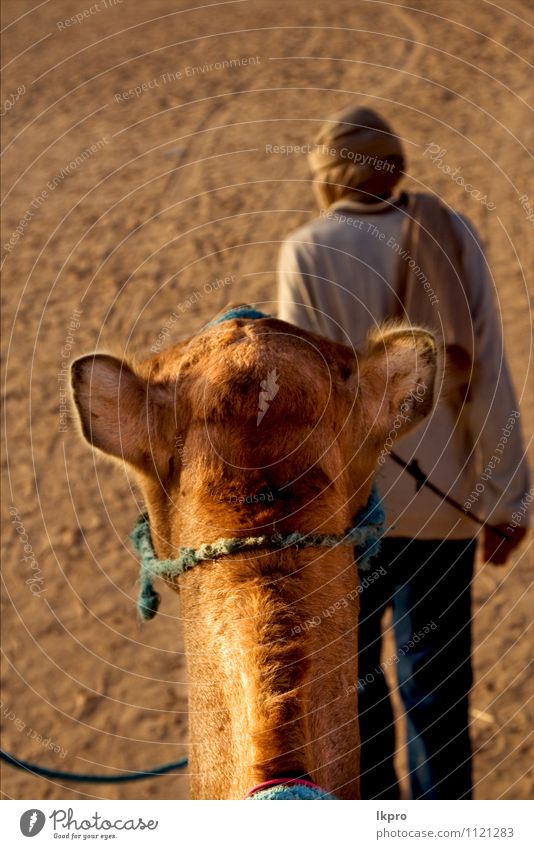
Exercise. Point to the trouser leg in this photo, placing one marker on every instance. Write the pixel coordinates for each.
(377, 727)
(432, 620)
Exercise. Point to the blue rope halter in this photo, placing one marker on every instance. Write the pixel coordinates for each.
(242, 311)
(365, 535)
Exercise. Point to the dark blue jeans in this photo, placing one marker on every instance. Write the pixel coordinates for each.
(428, 585)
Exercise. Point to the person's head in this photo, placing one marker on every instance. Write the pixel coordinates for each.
(356, 155)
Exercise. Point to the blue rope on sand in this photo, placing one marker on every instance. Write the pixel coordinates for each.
(88, 778)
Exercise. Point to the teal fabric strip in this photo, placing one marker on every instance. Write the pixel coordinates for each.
(244, 311)
(289, 793)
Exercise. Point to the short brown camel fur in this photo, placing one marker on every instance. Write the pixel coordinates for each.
(272, 680)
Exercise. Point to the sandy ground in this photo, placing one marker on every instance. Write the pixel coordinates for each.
(180, 189)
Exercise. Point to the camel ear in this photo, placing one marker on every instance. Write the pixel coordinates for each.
(397, 378)
(120, 413)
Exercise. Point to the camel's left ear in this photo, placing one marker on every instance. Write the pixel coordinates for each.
(397, 378)
(121, 413)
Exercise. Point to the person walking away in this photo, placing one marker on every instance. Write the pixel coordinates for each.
(375, 254)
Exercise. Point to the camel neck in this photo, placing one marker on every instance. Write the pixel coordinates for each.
(268, 689)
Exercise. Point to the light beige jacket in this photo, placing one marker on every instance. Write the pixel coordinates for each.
(336, 277)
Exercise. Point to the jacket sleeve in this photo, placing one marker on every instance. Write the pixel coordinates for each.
(493, 416)
(297, 303)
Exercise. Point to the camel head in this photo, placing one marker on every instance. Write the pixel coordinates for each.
(254, 427)
(252, 404)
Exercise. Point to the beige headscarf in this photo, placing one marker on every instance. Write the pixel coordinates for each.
(356, 154)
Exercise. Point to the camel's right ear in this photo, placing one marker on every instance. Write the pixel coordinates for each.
(397, 378)
(120, 413)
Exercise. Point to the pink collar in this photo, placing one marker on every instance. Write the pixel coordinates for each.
(286, 781)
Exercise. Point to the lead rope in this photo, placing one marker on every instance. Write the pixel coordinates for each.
(414, 469)
(364, 535)
(87, 777)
